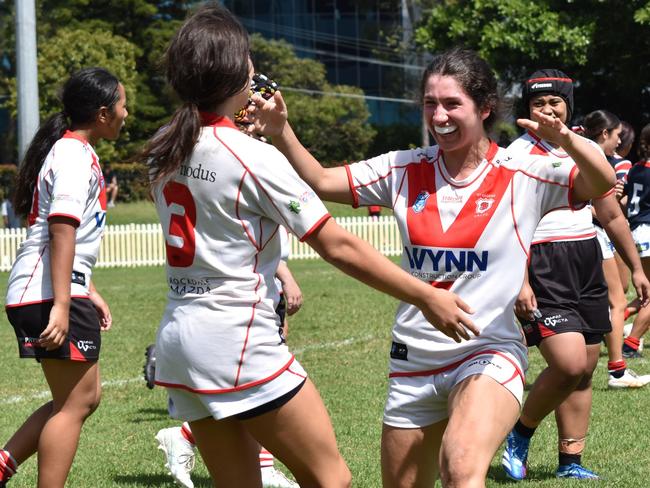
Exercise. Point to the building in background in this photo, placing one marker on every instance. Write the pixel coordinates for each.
(349, 38)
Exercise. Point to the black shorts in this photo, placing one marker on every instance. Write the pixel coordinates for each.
(281, 309)
(84, 339)
(281, 312)
(569, 285)
(272, 405)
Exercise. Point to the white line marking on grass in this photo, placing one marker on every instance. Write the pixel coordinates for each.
(45, 394)
(334, 345)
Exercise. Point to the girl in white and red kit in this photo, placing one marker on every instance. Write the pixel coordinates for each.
(55, 310)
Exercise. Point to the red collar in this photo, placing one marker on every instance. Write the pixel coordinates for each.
(68, 134)
(214, 120)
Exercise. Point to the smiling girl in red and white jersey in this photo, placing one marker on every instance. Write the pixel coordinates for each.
(467, 211)
(51, 302)
(221, 197)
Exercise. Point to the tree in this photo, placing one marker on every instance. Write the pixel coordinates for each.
(591, 41)
(137, 29)
(334, 128)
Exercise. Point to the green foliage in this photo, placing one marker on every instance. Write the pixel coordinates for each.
(333, 128)
(72, 49)
(509, 34)
(7, 176)
(600, 44)
(395, 136)
(642, 16)
(133, 181)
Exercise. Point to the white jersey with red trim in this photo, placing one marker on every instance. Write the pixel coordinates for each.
(469, 236)
(220, 214)
(69, 184)
(559, 224)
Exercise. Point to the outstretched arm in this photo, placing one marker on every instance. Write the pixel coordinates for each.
(595, 175)
(445, 310)
(270, 119)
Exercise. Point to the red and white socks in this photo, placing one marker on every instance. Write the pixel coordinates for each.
(8, 466)
(186, 432)
(616, 368)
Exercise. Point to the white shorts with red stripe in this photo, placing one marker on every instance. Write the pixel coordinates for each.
(189, 406)
(420, 399)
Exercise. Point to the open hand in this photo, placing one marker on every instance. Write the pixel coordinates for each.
(268, 116)
(56, 331)
(447, 312)
(547, 127)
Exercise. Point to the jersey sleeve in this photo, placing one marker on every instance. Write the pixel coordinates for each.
(371, 181)
(552, 180)
(71, 175)
(283, 196)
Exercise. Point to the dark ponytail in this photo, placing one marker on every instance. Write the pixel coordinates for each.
(644, 143)
(85, 92)
(47, 134)
(206, 63)
(598, 121)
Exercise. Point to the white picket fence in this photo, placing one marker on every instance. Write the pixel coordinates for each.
(143, 244)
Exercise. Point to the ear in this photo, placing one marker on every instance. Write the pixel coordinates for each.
(485, 113)
(103, 115)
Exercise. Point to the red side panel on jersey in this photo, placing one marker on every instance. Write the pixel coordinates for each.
(102, 183)
(425, 227)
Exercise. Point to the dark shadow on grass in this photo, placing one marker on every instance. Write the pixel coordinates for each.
(150, 414)
(498, 475)
(157, 480)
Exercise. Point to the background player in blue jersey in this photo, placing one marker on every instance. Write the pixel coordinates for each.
(637, 194)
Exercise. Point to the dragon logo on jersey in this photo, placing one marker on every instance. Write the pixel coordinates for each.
(420, 201)
(483, 205)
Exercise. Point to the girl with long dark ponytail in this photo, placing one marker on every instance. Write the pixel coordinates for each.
(221, 196)
(56, 312)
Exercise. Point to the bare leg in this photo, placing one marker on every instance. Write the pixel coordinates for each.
(566, 357)
(75, 390)
(642, 320)
(300, 434)
(410, 457)
(617, 305)
(229, 452)
(481, 412)
(623, 272)
(24, 443)
(573, 414)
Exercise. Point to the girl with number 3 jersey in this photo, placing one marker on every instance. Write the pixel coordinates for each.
(221, 197)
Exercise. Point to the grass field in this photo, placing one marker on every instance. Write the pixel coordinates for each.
(144, 212)
(341, 336)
